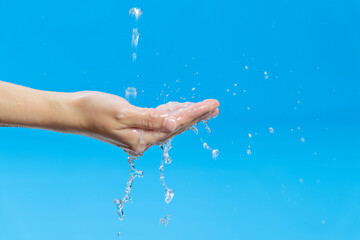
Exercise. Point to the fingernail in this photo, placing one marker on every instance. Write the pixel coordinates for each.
(170, 124)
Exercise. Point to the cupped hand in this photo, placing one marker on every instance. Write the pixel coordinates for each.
(112, 119)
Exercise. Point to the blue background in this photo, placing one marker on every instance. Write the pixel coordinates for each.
(59, 186)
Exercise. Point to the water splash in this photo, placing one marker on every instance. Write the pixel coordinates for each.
(166, 146)
(133, 174)
(136, 12)
(165, 220)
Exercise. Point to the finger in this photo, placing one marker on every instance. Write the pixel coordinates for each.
(150, 119)
(186, 118)
(197, 111)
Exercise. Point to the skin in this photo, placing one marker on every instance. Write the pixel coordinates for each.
(106, 117)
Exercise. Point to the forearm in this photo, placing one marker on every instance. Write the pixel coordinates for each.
(26, 107)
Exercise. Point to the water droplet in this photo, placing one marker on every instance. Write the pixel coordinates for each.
(215, 153)
(271, 130)
(130, 93)
(194, 128)
(248, 152)
(206, 146)
(164, 221)
(136, 12)
(206, 126)
(135, 37)
(302, 139)
(169, 194)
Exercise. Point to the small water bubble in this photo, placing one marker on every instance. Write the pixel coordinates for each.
(164, 221)
(130, 93)
(248, 152)
(249, 135)
(246, 67)
(136, 12)
(215, 153)
(323, 222)
(301, 180)
(134, 56)
(302, 139)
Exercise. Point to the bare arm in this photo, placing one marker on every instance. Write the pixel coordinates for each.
(103, 116)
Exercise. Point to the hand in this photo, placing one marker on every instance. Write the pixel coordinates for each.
(112, 119)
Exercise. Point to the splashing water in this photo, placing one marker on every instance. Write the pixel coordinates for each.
(136, 12)
(133, 174)
(130, 93)
(164, 221)
(166, 146)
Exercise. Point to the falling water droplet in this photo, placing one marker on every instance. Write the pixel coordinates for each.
(130, 93)
(164, 221)
(136, 12)
(166, 146)
(206, 126)
(135, 37)
(215, 153)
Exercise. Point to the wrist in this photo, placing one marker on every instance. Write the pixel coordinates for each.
(63, 115)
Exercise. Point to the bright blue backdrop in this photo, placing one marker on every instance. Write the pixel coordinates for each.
(58, 186)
